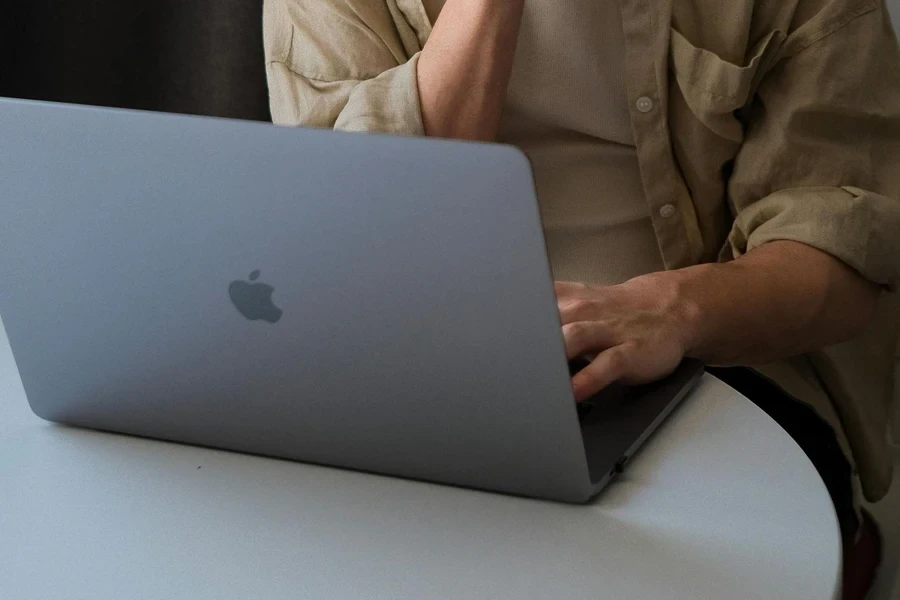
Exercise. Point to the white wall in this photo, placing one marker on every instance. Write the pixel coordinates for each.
(894, 7)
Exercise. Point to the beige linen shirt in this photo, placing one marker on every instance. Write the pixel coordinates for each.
(572, 118)
(754, 120)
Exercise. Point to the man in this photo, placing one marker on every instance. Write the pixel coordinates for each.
(717, 180)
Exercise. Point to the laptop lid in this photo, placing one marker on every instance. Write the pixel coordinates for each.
(373, 302)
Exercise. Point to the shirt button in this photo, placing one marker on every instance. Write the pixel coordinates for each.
(667, 211)
(644, 104)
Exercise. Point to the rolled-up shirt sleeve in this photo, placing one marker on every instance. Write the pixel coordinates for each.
(329, 66)
(820, 163)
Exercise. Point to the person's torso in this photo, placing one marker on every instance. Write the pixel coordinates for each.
(568, 110)
(694, 72)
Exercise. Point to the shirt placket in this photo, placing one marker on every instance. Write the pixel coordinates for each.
(647, 32)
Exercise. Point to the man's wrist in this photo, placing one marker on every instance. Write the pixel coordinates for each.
(673, 293)
(693, 309)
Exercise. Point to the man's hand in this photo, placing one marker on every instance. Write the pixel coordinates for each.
(638, 330)
(779, 300)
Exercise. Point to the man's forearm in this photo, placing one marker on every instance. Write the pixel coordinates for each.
(779, 300)
(465, 67)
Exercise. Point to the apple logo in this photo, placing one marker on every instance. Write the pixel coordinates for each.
(254, 300)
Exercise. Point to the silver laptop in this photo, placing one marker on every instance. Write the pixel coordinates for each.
(371, 302)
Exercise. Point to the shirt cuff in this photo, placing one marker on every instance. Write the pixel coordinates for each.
(854, 225)
(388, 103)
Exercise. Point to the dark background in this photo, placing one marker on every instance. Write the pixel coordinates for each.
(187, 56)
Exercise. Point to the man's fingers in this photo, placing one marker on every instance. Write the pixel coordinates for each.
(568, 288)
(586, 337)
(609, 367)
(572, 310)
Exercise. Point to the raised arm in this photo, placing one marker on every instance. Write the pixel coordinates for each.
(465, 68)
(365, 65)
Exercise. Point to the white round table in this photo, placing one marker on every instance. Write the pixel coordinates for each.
(720, 504)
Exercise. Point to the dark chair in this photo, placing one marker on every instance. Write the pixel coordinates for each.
(188, 56)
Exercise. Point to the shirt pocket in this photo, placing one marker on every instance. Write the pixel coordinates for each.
(715, 88)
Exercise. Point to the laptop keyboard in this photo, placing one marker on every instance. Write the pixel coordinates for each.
(584, 408)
